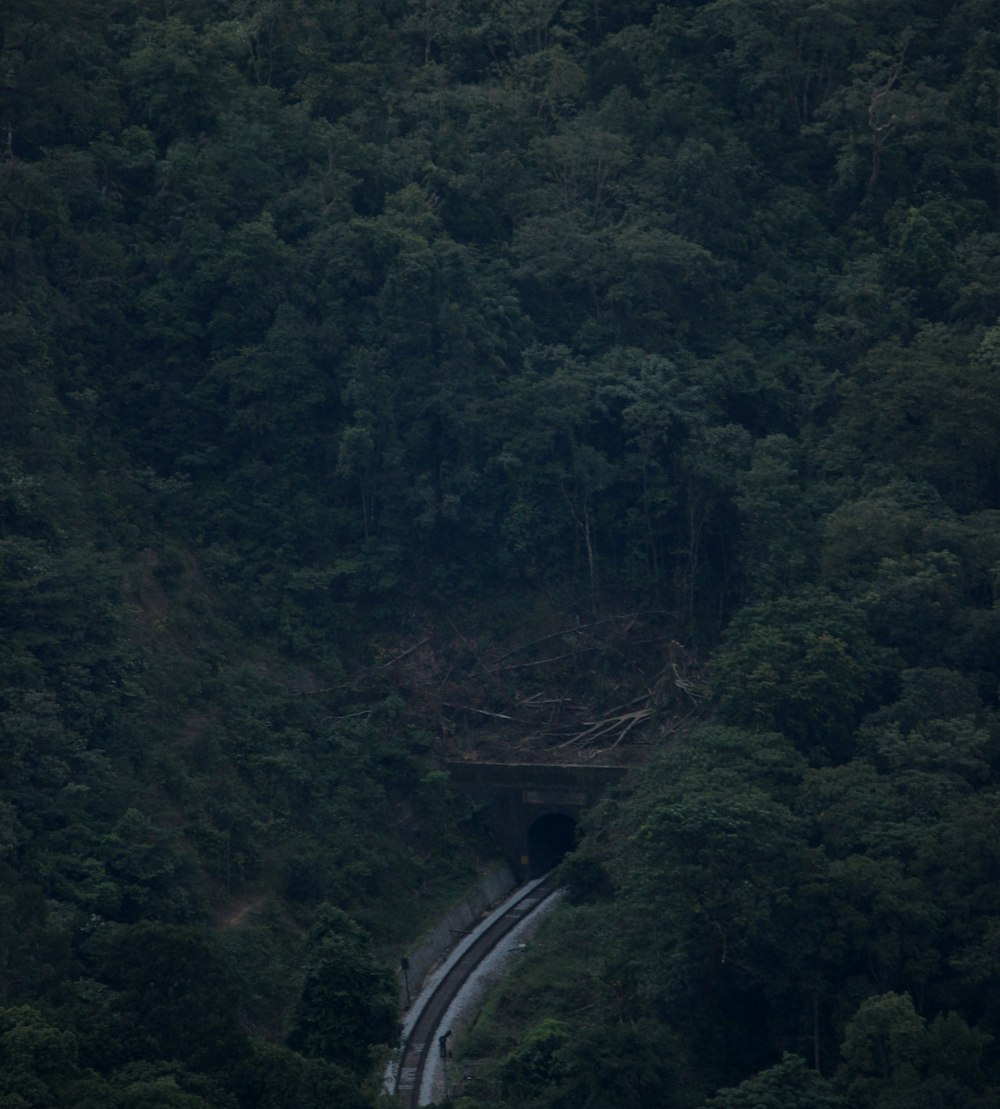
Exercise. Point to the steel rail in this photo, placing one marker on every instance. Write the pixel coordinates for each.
(418, 1044)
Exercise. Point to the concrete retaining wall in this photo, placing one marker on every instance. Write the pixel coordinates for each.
(494, 885)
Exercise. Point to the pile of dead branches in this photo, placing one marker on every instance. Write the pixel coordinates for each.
(603, 690)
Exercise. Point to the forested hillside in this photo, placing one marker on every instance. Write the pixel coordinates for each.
(331, 328)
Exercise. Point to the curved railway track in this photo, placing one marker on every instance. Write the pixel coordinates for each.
(421, 1039)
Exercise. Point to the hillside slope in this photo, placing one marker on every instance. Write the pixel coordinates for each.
(351, 352)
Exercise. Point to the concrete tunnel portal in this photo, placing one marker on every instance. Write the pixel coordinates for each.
(533, 808)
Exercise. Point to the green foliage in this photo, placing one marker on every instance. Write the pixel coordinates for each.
(39, 1061)
(923, 411)
(348, 1000)
(789, 1084)
(276, 1078)
(892, 1058)
(533, 1066)
(319, 318)
(635, 1064)
(177, 994)
(804, 665)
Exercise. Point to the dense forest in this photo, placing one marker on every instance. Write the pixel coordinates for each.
(329, 328)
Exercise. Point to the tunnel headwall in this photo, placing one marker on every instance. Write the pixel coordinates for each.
(514, 797)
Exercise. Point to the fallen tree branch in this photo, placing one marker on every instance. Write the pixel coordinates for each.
(541, 661)
(602, 727)
(565, 631)
(408, 651)
(482, 712)
(472, 648)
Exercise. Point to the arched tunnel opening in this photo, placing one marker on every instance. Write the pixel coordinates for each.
(550, 837)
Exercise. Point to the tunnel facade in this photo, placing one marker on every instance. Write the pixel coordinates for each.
(533, 809)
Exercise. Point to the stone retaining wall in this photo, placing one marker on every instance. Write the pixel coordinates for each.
(492, 887)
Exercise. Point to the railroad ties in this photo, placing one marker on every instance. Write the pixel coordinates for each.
(418, 1046)
(407, 1081)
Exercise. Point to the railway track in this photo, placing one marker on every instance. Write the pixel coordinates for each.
(422, 1037)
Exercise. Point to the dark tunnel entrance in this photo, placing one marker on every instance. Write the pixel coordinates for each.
(549, 839)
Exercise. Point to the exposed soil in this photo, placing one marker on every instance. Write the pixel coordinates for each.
(237, 912)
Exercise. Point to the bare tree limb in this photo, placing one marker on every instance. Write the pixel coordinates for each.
(408, 651)
(565, 631)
